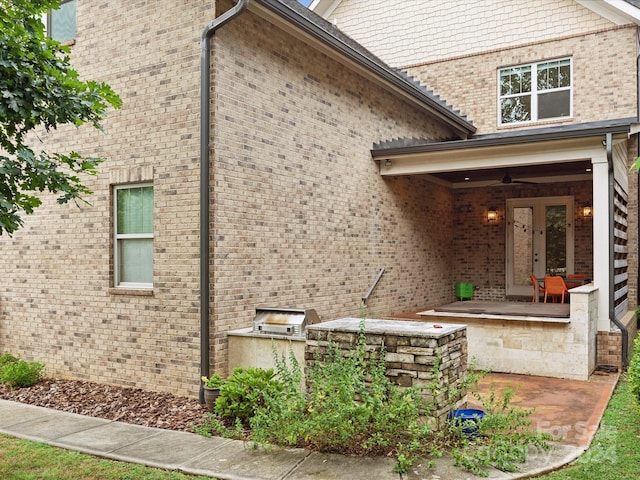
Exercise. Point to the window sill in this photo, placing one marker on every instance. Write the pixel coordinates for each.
(136, 292)
(537, 123)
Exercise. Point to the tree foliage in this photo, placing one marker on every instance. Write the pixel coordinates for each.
(39, 90)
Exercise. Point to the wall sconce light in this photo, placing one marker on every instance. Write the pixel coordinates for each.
(587, 211)
(492, 215)
(388, 163)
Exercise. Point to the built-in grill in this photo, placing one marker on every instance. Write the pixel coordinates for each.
(284, 321)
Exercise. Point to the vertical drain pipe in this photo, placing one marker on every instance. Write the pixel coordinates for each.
(612, 282)
(205, 112)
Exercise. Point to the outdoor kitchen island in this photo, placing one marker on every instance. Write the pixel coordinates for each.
(411, 351)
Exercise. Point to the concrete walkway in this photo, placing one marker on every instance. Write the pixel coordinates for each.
(236, 460)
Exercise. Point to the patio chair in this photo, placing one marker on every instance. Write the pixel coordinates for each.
(537, 288)
(555, 288)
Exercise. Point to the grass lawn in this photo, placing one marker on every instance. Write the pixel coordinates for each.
(24, 460)
(615, 450)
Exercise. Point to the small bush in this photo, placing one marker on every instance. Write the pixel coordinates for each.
(633, 374)
(245, 391)
(6, 359)
(504, 436)
(21, 373)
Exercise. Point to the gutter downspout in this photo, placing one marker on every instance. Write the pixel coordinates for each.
(612, 308)
(205, 112)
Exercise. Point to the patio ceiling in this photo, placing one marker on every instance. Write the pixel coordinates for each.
(538, 156)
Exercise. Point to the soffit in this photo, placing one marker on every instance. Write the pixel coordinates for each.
(552, 154)
(620, 12)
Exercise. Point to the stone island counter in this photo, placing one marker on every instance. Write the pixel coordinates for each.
(429, 356)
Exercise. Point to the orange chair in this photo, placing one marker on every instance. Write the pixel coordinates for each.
(537, 288)
(555, 287)
(579, 276)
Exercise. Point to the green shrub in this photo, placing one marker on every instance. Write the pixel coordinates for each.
(350, 407)
(504, 436)
(245, 391)
(633, 374)
(21, 373)
(6, 359)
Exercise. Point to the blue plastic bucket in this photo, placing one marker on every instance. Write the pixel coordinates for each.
(463, 415)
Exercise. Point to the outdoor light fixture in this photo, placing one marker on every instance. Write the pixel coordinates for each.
(492, 215)
(587, 211)
(388, 163)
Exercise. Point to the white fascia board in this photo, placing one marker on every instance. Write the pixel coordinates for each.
(616, 11)
(495, 157)
(324, 8)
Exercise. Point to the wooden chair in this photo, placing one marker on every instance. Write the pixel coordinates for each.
(555, 287)
(537, 288)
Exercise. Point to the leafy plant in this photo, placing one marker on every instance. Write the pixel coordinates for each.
(633, 374)
(350, 407)
(245, 391)
(504, 436)
(40, 90)
(214, 381)
(21, 373)
(6, 359)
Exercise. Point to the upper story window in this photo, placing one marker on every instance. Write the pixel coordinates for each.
(538, 91)
(61, 23)
(133, 225)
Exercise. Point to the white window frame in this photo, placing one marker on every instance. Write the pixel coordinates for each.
(117, 237)
(534, 93)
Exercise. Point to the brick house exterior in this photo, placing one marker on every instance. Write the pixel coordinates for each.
(299, 216)
(459, 54)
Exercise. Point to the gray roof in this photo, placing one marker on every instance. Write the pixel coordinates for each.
(635, 3)
(402, 146)
(313, 24)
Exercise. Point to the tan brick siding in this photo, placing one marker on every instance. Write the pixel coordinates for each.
(406, 32)
(300, 214)
(479, 247)
(604, 78)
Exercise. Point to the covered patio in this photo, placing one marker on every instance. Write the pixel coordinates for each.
(547, 201)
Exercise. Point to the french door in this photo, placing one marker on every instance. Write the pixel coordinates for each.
(539, 240)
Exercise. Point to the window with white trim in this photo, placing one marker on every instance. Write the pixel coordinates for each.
(61, 23)
(538, 91)
(133, 227)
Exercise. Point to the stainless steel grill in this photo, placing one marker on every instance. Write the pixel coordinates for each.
(284, 321)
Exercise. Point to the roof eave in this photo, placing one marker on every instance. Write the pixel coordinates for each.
(624, 127)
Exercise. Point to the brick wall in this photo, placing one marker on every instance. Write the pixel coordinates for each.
(300, 216)
(604, 86)
(479, 247)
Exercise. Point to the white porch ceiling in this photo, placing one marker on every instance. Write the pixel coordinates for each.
(555, 160)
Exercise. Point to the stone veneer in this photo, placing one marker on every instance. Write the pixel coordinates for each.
(411, 350)
(549, 347)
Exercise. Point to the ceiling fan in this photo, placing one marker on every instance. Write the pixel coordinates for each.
(507, 180)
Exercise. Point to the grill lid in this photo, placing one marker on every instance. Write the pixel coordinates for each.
(284, 321)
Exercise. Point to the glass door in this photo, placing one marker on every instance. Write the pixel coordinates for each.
(539, 240)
